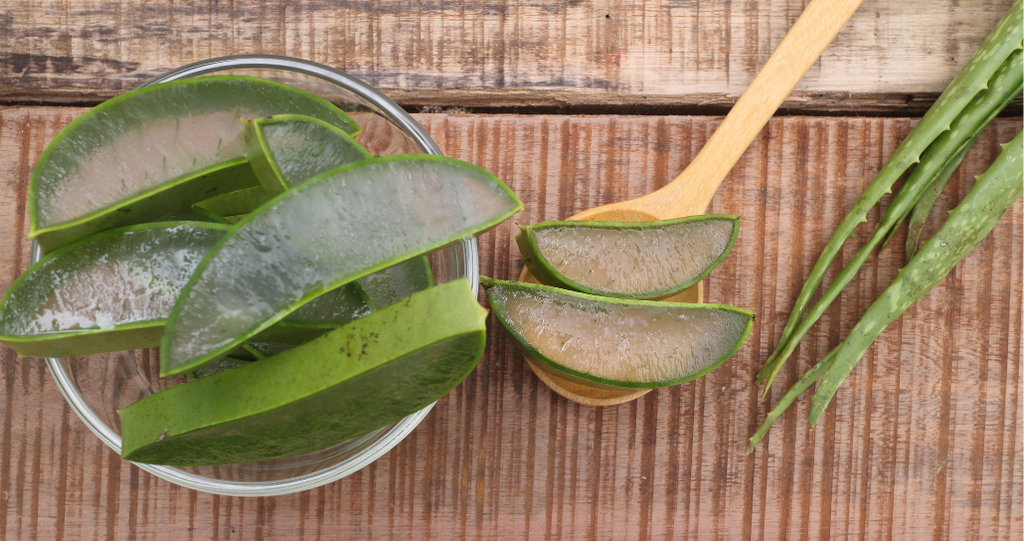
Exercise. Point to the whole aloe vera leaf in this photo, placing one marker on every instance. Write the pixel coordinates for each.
(796, 390)
(928, 198)
(1004, 85)
(993, 194)
(1005, 38)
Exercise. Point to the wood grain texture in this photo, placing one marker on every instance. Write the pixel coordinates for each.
(922, 442)
(893, 55)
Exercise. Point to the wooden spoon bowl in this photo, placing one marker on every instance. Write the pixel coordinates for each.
(691, 192)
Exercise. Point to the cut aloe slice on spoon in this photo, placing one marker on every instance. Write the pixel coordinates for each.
(628, 259)
(360, 377)
(153, 151)
(109, 292)
(287, 150)
(617, 344)
(322, 234)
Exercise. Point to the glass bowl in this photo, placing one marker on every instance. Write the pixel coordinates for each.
(97, 386)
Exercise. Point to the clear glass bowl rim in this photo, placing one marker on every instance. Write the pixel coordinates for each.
(390, 438)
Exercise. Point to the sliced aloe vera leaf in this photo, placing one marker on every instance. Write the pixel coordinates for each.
(616, 343)
(320, 235)
(628, 259)
(155, 150)
(360, 377)
(237, 203)
(388, 286)
(320, 315)
(287, 150)
(109, 292)
(218, 366)
(195, 214)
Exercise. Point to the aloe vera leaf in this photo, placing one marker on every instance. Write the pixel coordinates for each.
(617, 344)
(928, 198)
(791, 395)
(195, 214)
(388, 286)
(153, 151)
(108, 292)
(360, 377)
(1005, 38)
(323, 234)
(237, 203)
(634, 260)
(218, 366)
(993, 194)
(1004, 85)
(287, 150)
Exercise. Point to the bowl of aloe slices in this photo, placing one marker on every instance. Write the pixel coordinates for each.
(252, 275)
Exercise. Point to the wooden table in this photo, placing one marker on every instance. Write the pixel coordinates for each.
(576, 104)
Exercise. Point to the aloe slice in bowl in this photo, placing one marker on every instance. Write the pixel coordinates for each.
(388, 286)
(350, 381)
(616, 343)
(322, 234)
(109, 292)
(195, 214)
(628, 259)
(237, 203)
(320, 315)
(153, 151)
(287, 150)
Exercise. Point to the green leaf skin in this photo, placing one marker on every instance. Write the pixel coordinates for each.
(947, 148)
(75, 189)
(360, 377)
(196, 214)
(326, 232)
(237, 203)
(397, 282)
(993, 194)
(680, 231)
(1005, 38)
(172, 250)
(623, 334)
(287, 150)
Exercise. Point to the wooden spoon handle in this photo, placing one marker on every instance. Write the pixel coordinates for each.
(691, 192)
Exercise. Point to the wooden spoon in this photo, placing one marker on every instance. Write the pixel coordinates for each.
(691, 192)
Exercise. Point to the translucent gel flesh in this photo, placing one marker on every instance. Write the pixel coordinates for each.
(641, 344)
(303, 149)
(322, 233)
(126, 278)
(634, 260)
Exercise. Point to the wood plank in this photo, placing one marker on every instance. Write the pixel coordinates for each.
(690, 57)
(922, 442)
